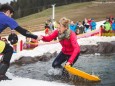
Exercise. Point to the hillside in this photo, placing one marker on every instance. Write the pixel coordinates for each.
(76, 12)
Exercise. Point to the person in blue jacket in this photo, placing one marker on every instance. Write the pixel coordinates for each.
(73, 26)
(6, 12)
(93, 24)
(113, 25)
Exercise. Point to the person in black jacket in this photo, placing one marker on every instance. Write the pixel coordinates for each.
(13, 38)
(6, 12)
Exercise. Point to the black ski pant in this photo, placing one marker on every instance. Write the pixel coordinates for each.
(7, 54)
(61, 58)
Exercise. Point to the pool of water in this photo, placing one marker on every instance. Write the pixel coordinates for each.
(100, 65)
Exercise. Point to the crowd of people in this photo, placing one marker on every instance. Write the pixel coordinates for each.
(109, 25)
(85, 26)
(78, 27)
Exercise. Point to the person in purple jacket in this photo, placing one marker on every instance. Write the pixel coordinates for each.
(6, 12)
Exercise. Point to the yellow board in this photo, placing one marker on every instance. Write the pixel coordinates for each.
(82, 74)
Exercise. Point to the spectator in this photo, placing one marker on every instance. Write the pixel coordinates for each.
(93, 24)
(113, 25)
(47, 29)
(26, 44)
(73, 26)
(80, 28)
(107, 25)
(13, 38)
(87, 27)
(89, 22)
(51, 26)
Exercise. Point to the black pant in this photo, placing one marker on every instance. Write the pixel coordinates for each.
(7, 54)
(62, 58)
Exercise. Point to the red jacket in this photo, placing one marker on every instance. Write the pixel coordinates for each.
(69, 46)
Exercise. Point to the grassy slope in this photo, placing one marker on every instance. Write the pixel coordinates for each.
(76, 12)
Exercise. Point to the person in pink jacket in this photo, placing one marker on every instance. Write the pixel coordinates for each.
(67, 38)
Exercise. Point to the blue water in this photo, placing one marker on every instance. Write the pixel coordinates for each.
(100, 65)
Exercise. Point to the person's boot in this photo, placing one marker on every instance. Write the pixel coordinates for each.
(3, 70)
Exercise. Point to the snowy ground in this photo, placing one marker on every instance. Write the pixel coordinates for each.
(19, 81)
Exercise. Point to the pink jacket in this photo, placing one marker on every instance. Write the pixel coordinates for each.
(69, 46)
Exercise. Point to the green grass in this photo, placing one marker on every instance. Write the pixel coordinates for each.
(46, 14)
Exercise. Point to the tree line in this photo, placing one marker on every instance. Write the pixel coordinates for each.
(26, 7)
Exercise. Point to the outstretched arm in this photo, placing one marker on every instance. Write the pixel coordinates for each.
(25, 32)
(50, 37)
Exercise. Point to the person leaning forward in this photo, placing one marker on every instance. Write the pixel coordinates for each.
(67, 38)
(6, 12)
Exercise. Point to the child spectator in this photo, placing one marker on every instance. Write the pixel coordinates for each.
(93, 24)
(26, 45)
(72, 26)
(87, 27)
(13, 38)
(47, 28)
(80, 28)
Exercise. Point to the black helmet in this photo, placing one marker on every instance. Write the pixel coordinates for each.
(6, 7)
